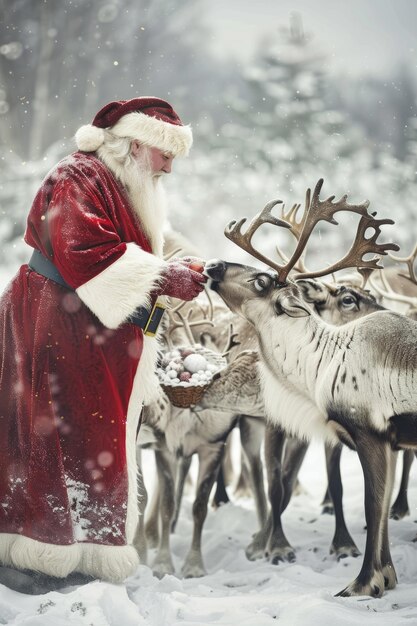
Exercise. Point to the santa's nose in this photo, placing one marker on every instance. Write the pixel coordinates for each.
(167, 166)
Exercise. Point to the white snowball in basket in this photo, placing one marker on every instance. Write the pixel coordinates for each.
(195, 362)
(185, 367)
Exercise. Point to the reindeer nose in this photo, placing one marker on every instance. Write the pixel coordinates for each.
(215, 269)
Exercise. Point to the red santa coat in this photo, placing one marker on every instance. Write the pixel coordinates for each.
(73, 375)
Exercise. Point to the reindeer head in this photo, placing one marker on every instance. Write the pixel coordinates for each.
(256, 294)
(338, 303)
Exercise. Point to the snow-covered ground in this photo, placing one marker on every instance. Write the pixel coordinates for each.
(236, 591)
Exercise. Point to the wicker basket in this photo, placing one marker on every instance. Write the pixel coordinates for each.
(186, 396)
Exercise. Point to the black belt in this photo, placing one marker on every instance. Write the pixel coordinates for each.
(148, 321)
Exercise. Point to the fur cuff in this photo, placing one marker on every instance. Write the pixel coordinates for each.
(54, 560)
(114, 294)
(112, 563)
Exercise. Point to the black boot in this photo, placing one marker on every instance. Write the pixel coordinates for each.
(36, 583)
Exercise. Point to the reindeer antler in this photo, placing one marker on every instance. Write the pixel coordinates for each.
(360, 247)
(386, 291)
(185, 321)
(231, 341)
(315, 211)
(233, 231)
(409, 261)
(295, 229)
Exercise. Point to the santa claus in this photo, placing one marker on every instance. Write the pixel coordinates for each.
(78, 346)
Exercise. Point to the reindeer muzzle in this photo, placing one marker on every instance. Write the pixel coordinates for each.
(215, 270)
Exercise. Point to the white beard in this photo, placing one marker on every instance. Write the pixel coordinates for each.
(146, 194)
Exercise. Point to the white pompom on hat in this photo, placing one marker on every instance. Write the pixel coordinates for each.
(151, 121)
(89, 138)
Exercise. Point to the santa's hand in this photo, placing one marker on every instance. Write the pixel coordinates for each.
(179, 281)
(193, 262)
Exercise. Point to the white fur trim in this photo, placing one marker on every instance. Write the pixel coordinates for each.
(6, 542)
(89, 138)
(115, 293)
(26, 553)
(171, 138)
(145, 389)
(145, 374)
(112, 563)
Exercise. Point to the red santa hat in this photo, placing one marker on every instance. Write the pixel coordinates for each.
(151, 121)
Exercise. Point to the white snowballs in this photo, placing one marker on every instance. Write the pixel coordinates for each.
(194, 363)
(185, 367)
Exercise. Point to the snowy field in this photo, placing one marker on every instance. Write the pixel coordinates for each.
(236, 591)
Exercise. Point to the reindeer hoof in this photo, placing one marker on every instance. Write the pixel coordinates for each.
(281, 557)
(254, 555)
(390, 576)
(374, 588)
(342, 552)
(160, 569)
(256, 549)
(193, 571)
(398, 513)
(327, 509)
(193, 567)
(345, 554)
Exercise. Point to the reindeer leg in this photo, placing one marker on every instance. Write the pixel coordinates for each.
(257, 547)
(400, 507)
(278, 547)
(139, 540)
(227, 463)
(225, 475)
(327, 504)
(342, 544)
(163, 561)
(270, 538)
(295, 451)
(152, 518)
(210, 457)
(182, 473)
(388, 569)
(242, 489)
(252, 433)
(375, 456)
(220, 495)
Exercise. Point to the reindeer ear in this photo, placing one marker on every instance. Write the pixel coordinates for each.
(291, 306)
(313, 290)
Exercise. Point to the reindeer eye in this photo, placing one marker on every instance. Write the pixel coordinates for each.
(348, 301)
(262, 282)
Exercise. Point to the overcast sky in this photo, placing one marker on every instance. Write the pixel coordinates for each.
(360, 36)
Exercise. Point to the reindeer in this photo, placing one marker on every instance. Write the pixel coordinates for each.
(337, 305)
(180, 433)
(399, 289)
(185, 432)
(353, 384)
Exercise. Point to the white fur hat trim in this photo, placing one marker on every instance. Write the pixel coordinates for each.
(89, 138)
(155, 133)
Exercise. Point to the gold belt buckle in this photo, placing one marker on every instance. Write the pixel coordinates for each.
(154, 319)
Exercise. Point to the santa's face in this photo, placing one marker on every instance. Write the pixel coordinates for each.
(158, 161)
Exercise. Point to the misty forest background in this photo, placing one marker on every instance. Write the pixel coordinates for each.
(265, 129)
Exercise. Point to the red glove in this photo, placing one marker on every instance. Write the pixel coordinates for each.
(193, 262)
(179, 281)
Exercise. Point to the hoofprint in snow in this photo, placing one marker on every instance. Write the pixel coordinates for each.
(237, 591)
